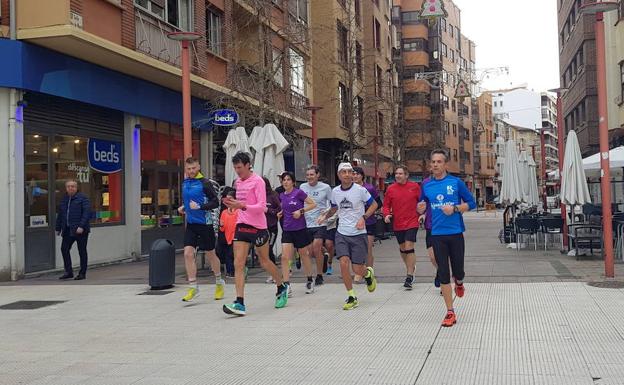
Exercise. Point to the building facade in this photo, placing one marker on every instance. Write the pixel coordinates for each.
(484, 148)
(434, 57)
(577, 68)
(89, 77)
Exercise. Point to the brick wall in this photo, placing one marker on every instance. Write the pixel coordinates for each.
(128, 33)
(4, 9)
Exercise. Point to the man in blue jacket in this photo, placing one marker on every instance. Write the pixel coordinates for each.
(199, 199)
(72, 223)
(448, 198)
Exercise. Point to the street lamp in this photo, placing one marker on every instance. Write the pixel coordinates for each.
(185, 38)
(598, 8)
(313, 109)
(560, 155)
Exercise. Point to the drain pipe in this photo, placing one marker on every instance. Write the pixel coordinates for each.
(12, 185)
(12, 20)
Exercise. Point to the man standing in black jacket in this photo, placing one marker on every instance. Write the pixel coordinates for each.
(72, 223)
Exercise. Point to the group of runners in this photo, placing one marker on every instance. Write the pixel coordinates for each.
(341, 220)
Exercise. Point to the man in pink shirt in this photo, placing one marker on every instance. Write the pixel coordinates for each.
(251, 229)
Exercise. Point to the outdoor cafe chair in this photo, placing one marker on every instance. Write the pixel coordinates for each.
(552, 226)
(527, 226)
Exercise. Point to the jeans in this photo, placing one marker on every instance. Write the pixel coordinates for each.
(66, 245)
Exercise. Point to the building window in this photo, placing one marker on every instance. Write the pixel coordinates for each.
(621, 81)
(174, 12)
(454, 155)
(213, 31)
(360, 114)
(379, 81)
(453, 56)
(410, 45)
(467, 157)
(358, 12)
(412, 17)
(446, 128)
(501, 103)
(298, 9)
(443, 24)
(451, 30)
(358, 60)
(277, 66)
(297, 72)
(343, 43)
(444, 50)
(380, 128)
(454, 130)
(377, 30)
(342, 103)
(454, 105)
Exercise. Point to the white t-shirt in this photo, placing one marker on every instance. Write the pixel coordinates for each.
(350, 205)
(321, 194)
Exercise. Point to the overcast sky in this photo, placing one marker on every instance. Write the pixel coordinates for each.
(520, 34)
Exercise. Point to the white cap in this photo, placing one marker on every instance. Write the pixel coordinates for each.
(345, 166)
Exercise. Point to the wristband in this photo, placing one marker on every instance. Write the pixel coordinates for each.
(302, 211)
(456, 209)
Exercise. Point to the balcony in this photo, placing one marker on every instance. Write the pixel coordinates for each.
(297, 104)
(151, 39)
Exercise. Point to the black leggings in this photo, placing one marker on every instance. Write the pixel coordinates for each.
(272, 240)
(449, 247)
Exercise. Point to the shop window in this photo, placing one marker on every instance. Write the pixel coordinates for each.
(87, 161)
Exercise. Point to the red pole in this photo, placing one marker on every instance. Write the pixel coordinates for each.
(603, 130)
(186, 100)
(314, 138)
(560, 145)
(543, 150)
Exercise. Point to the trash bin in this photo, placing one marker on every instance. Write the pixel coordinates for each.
(162, 264)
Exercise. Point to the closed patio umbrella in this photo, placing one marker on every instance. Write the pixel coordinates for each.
(523, 175)
(511, 188)
(236, 141)
(574, 190)
(532, 182)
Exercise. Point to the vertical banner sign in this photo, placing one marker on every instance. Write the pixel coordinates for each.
(105, 156)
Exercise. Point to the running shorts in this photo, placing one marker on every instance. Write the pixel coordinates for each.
(250, 234)
(299, 238)
(449, 248)
(199, 236)
(406, 235)
(355, 247)
(317, 232)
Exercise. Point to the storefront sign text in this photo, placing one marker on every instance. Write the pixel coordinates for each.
(225, 117)
(105, 156)
(82, 172)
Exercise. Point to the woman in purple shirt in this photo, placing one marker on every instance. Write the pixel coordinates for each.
(295, 203)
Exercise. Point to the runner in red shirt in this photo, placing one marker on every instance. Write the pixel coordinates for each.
(400, 205)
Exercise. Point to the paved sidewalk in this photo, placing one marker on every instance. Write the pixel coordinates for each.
(487, 260)
(507, 333)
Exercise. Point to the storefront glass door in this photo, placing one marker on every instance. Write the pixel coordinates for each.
(38, 201)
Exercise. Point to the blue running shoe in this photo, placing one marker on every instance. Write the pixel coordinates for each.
(234, 308)
(330, 271)
(436, 282)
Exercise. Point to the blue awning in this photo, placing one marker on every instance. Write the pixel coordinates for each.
(29, 67)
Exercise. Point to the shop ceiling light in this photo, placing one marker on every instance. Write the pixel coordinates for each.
(77, 141)
(55, 149)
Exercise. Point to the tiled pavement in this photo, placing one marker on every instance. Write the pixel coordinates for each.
(507, 333)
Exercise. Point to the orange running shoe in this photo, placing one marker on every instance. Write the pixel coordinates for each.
(449, 320)
(459, 289)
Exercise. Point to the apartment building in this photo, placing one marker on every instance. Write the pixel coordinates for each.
(577, 66)
(615, 74)
(550, 139)
(432, 115)
(484, 148)
(88, 77)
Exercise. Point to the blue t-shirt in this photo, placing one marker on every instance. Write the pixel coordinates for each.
(452, 191)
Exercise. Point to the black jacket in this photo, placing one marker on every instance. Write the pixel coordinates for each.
(73, 212)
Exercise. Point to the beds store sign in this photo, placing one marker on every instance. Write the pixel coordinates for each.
(225, 117)
(105, 155)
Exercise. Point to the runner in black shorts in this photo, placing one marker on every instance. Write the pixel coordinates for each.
(349, 200)
(371, 223)
(199, 199)
(448, 197)
(251, 231)
(295, 203)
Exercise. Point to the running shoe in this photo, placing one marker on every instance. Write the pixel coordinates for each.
(318, 281)
(325, 260)
(436, 281)
(449, 320)
(281, 299)
(408, 283)
(234, 308)
(350, 303)
(191, 294)
(330, 271)
(371, 281)
(290, 291)
(219, 290)
(298, 262)
(460, 290)
(309, 287)
(270, 280)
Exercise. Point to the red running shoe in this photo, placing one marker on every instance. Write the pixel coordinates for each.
(449, 320)
(459, 289)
